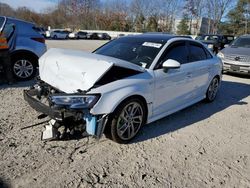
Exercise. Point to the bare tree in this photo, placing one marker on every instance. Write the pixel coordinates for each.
(195, 10)
(168, 12)
(216, 11)
(6, 10)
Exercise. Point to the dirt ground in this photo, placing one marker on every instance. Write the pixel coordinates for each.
(205, 145)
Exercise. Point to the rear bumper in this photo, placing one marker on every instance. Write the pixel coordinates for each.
(29, 96)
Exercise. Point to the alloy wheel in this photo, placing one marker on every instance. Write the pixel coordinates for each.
(23, 68)
(130, 120)
(213, 88)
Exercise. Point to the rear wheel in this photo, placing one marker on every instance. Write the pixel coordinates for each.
(24, 67)
(127, 120)
(212, 89)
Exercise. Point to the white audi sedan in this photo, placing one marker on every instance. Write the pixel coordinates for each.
(123, 85)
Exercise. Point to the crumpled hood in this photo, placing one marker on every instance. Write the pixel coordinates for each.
(70, 70)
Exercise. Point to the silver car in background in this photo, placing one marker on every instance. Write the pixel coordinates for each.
(236, 57)
(59, 34)
(26, 46)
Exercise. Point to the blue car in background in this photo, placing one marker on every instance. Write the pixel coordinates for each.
(26, 46)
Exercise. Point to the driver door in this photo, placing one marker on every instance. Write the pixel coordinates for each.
(173, 89)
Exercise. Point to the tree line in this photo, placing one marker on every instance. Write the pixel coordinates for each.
(139, 15)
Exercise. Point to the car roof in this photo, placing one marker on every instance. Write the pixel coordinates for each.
(245, 36)
(19, 20)
(217, 35)
(151, 37)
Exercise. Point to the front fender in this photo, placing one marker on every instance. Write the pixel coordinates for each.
(114, 93)
(109, 101)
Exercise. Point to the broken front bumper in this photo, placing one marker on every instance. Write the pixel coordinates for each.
(93, 125)
(29, 96)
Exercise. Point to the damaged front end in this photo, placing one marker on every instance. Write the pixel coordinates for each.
(70, 113)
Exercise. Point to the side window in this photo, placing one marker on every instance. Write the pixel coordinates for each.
(197, 52)
(176, 51)
(209, 56)
(8, 30)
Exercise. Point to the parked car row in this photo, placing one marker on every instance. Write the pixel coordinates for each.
(65, 34)
(215, 42)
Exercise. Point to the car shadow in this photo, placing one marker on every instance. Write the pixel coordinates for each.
(238, 75)
(17, 84)
(4, 184)
(230, 93)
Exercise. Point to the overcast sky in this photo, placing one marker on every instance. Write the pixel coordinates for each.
(36, 5)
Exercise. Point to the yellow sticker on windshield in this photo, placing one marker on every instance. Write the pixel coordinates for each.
(152, 44)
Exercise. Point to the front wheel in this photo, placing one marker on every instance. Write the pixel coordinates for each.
(212, 89)
(127, 120)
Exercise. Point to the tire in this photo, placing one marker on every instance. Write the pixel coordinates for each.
(24, 67)
(54, 37)
(212, 89)
(130, 122)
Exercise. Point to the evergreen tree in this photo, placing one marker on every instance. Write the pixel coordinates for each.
(139, 23)
(182, 28)
(152, 24)
(239, 18)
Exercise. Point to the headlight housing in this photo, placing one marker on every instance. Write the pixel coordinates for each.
(220, 55)
(75, 101)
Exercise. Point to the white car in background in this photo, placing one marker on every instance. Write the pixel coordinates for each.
(128, 82)
(72, 35)
(59, 34)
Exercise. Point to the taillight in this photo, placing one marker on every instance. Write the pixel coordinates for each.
(42, 40)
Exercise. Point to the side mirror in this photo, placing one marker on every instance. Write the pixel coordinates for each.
(171, 64)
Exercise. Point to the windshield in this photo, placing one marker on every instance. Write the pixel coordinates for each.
(207, 37)
(242, 42)
(229, 38)
(140, 52)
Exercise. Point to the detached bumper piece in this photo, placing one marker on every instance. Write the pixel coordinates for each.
(66, 123)
(50, 132)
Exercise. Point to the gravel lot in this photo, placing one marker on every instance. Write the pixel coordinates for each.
(205, 145)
